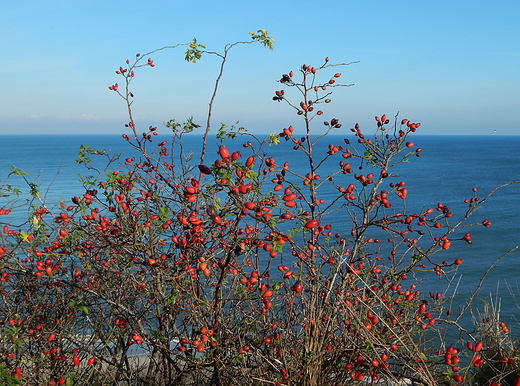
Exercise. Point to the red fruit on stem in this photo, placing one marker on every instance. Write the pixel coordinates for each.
(250, 161)
(136, 338)
(289, 197)
(297, 287)
(245, 188)
(223, 152)
(311, 224)
(204, 169)
(250, 205)
(191, 190)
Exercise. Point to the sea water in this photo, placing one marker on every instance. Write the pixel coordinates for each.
(447, 170)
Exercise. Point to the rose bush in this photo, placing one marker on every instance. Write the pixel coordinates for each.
(239, 267)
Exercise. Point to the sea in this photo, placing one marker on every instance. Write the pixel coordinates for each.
(448, 168)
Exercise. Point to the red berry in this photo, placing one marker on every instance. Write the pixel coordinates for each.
(250, 161)
(311, 224)
(297, 287)
(223, 152)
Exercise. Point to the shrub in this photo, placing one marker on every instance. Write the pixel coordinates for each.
(238, 267)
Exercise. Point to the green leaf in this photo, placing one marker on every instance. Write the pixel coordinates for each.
(6, 378)
(169, 299)
(251, 174)
(78, 304)
(18, 172)
(34, 189)
(277, 247)
(193, 53)
(416, 257)
(82, 158)
(83, 308)
(186, 127)
(262, 37)
(84, 150)
(274, 139)
(164, 213)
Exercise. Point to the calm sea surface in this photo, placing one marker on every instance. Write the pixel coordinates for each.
(449, 167)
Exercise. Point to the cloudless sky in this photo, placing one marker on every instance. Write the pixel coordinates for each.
(452, 65)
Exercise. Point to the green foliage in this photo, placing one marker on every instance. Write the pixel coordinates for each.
(274, 139)
(86, 150)
(7, 190)
(182, 128)
(232, 133)
(17, 172)
(262, 37)
(7, 379)
(194, 52)
(78, 304)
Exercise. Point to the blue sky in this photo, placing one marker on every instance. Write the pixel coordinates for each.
(451, 65)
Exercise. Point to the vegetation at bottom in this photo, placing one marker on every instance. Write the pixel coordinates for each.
(235, 267)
